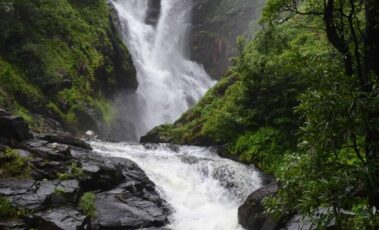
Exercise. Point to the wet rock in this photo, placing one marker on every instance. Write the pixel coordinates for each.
(48, 151)
(90, 135)
(13, 225)
(27, 194)
(65, 138)
(43, 169)
(119, 209)
(251, 214)
(65, 192)
(14, 128)
(101, 177)
(65, 218)
(153, 12)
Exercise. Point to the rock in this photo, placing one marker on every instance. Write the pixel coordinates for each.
(153, 12)
(215, 28)
(101, 177)
(251, 214)
(43, 169)
(14, 128)
(66, 192)
(48, 151)
(13, 225)
(65, 138)
(119, 209)
(28, 194)
(65, 218)
(89, 118)
(90, 135)
(4, 113)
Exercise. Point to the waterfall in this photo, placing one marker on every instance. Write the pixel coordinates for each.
(203, 190)
(169, 83)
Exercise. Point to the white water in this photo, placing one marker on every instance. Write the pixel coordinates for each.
(168, 82)
(203, 189)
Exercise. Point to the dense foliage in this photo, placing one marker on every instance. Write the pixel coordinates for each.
(301, 102)
(61, 59)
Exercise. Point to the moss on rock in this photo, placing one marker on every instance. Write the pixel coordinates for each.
(57, 57)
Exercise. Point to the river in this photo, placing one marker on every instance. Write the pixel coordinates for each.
(203, 190)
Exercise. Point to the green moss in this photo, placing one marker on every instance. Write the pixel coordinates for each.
(7, 211)
(56, 56)
(73, 172)
(13, 165)
(87, 204)
(106, 109)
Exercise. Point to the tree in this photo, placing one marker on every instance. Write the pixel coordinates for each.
(347, 106)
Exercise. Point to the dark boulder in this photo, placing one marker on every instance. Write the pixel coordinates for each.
(66, 192)
(27, 194)
(101, 176)
(48, 151)
(251, 214)
(65, 138)
(65, 218)
(120, 209)
(12, 225)
(14, 128)
(153, 12)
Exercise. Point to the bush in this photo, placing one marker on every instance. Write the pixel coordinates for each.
(13, 165)
(87, 204)
(8, 211)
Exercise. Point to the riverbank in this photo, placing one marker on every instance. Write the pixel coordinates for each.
(55, 181)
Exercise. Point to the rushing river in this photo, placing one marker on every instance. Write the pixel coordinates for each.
(203, 189)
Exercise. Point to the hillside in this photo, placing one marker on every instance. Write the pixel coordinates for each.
(64, 60)
(300, 102)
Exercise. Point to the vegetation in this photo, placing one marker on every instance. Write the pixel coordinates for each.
(7, 211)
(60, 58)
(301, 102)
(87, 204)
(13, 165)
(73, 172)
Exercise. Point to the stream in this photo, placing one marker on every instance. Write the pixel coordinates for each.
(203, 190)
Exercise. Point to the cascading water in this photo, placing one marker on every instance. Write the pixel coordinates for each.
(169, 83)
(203, 189)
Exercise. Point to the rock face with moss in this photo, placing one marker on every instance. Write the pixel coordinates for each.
(216, 26)
(62, 59)
(54, 181)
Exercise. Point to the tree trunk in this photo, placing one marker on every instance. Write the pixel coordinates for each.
(371, 66)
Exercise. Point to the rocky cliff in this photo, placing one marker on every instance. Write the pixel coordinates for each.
(216, 26)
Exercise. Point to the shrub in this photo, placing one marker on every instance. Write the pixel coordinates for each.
(13, 165)
(87, 204)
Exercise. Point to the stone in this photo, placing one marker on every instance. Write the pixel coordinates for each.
(65, 218)
(65, 138)
(66, 192)
(27, 194)
(119, 209)
(101, 176)
(13, 225)
(48, 151)
(251, 213)
(14, 128)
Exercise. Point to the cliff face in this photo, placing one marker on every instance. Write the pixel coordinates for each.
(216, 26)
(62, 59)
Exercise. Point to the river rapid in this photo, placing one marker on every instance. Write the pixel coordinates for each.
(203, 189)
